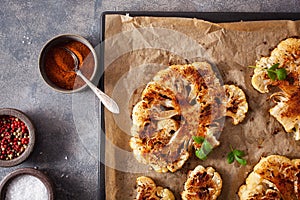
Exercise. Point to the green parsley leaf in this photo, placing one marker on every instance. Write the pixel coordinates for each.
(281, 74)
(230, 157)
(274, 67)
(198, 139)
(272, 71)
(200, 154)
(237, 155)
(240, 160)
(272, 75)
(206, 146)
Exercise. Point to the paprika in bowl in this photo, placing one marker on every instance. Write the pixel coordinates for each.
(17, 137)
(56, 64)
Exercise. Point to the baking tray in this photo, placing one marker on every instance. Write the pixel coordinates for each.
(216, 17)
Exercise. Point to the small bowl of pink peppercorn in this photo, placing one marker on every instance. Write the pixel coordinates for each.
(17, 137)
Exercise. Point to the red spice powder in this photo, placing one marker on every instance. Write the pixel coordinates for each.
(59, 65)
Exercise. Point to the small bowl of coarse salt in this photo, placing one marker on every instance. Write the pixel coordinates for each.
(26, 184)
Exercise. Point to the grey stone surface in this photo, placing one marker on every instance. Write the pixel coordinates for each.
(63, 151)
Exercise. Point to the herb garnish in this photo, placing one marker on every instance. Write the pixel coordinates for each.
(205, 148)
(274, 72)
(237, 155)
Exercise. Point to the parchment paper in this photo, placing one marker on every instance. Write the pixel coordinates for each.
(136, 48)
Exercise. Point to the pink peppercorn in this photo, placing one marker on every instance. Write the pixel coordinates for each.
(14, 137)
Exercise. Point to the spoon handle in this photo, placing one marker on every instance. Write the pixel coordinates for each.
(108, 102)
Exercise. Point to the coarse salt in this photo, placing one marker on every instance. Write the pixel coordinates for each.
(26, 187)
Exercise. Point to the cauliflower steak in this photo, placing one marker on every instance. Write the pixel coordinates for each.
(180, 102)
(286, 109)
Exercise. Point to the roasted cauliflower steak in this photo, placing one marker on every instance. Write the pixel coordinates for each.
(202, 184)
(274, 177)
(286, 109)
(147, 189)
(180, 102)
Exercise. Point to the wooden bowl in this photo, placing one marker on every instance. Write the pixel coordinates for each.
(31, 130)
(26, 171)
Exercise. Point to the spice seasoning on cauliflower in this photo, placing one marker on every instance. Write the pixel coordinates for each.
(285, 56)
(180, 102)
(274, 177)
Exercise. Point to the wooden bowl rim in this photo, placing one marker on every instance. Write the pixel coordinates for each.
(26, 171)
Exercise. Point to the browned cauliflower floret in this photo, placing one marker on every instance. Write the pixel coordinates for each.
(236, 103)
(287, 55)
(274, 177)
(257, 188)
(147, 189)
(202, 184)
(286, 110)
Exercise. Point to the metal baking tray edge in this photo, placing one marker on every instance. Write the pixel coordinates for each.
(216, 17)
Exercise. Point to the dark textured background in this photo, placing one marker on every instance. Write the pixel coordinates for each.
(25, 27)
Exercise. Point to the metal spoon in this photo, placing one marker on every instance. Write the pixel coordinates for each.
(108, 102)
